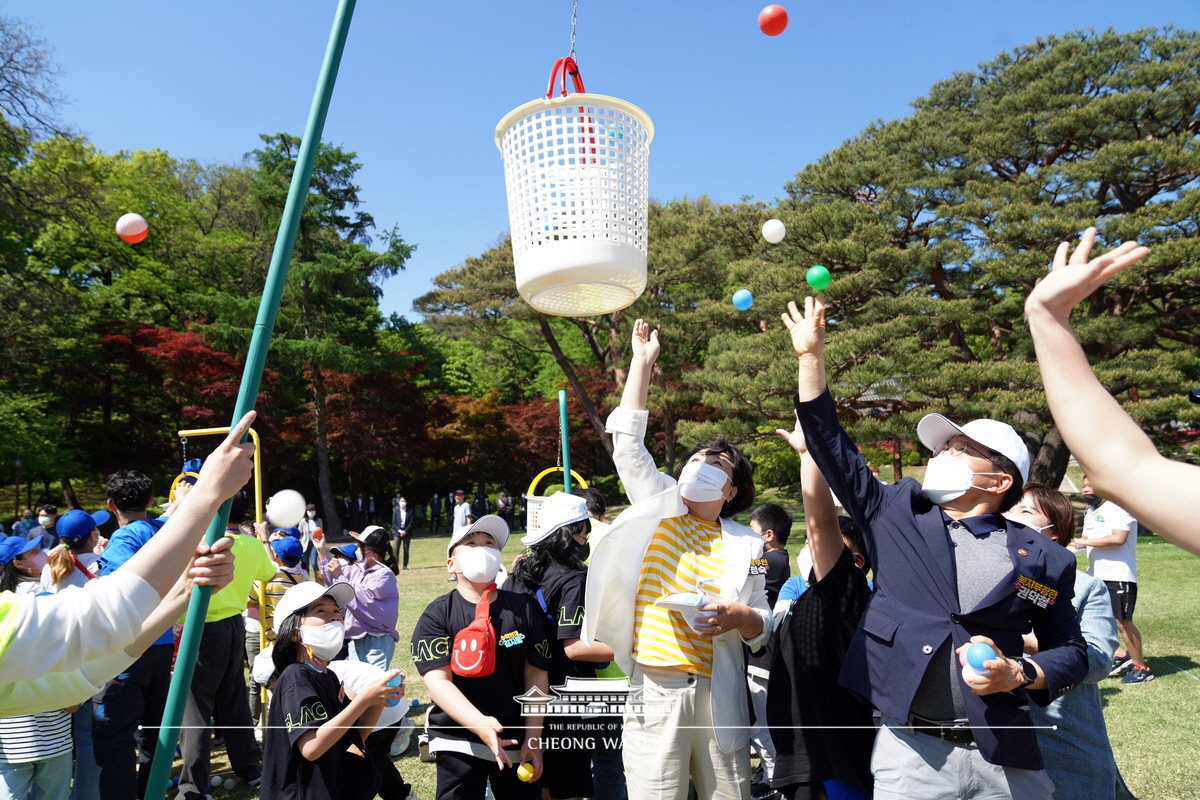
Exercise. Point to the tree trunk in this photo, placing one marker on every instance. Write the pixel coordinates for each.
(1050, 464)
(333, 520)
(568, 369)
(897, 461)
(68, 493)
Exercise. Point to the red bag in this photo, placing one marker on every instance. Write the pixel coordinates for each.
(474, 651)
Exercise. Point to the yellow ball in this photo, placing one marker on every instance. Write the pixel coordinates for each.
(525, 772)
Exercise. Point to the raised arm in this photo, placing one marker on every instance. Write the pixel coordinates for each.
(822, 532)
(645, 349)
(627, 423)
(1123, 464)
(807, 332)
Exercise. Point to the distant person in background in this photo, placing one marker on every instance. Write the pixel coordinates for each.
(358, 513)
(435, 513)
(44, 532)
(21, 565)
(461, 512)
(371, 615)
(1110, 536)
(403, 523)
(24, 524)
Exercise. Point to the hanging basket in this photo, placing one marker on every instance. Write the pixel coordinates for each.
(576, 169)
(533, 502)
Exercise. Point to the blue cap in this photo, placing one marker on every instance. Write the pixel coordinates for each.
(347, 551)
(75, 525)
(288, 550)
(13, 546)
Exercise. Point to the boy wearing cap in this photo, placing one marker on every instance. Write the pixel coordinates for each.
(952, 571)
(476, 718)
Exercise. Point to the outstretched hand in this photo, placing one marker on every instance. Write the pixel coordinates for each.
(644, 344)
(808, 329)
(794, 437)
(1072, 280)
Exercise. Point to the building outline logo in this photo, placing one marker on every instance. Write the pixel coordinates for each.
(593, 697)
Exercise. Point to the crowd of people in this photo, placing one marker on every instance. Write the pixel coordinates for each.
(850, 678)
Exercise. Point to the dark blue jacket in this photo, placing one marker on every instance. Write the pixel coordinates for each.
(915, 605)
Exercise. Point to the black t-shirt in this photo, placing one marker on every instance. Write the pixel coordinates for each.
(520, 638)
(303, 701)
(778, 571)
(803, 694)
(563, 589)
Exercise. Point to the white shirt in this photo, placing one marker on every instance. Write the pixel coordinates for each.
(1111, 562)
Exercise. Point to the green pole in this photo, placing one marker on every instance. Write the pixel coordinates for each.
(260, 342)
(566, 439)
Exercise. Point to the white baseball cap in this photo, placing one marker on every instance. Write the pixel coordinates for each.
(934, 431)
(304, 594)
(488, 523)
(557, 510)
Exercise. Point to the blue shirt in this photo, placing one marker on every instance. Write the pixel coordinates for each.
(123, 543)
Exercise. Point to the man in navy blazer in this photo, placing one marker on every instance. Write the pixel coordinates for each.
(949, 571)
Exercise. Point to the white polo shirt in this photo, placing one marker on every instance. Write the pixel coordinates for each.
(1111, 562)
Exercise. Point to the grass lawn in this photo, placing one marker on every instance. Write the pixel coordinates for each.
(1154, 727)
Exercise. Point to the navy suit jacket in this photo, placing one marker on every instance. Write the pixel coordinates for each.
(914, 608)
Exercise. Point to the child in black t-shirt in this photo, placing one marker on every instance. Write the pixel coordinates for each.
(314, 746)
(554, 573)
(475, 719)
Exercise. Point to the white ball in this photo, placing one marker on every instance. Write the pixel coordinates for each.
(214, 781)
(229, 784)
(286, 508)
(773, 231)
(131, 225)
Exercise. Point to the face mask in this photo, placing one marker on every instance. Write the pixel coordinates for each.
(1091, 499)
(404, 505)
(45, 522)
(701, 483)
(478, 564)
(324, 640)
(947, 478)
(27, 517)
(310, 514)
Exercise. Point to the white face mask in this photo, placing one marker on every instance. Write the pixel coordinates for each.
(45, 522)
(478, 564)
(310, 514)
(948, 478)
(403, 504)
(325, 640)
(701, 482)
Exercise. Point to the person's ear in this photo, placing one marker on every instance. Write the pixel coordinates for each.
(112, 507)
(859, 561)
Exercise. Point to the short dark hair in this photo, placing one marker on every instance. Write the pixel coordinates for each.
(595, 502)
(239, 507)
(743, 473)
(49, 509)
(1056, 508)
(130, 491)
(854, 540)
(776, 519)
(1006, 465)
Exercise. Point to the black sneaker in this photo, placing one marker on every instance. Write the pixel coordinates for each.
(1119, 664)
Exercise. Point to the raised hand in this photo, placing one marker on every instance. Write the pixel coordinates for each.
(808, 329)
(1071, 280)
(644, 344)
(794, 437)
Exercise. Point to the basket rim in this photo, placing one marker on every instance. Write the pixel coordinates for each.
(583, 98)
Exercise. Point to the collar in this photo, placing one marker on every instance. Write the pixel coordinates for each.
(980, 525)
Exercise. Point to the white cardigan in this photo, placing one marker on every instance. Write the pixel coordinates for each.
(616, 564)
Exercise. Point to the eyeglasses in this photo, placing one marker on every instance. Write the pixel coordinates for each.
(961, 448)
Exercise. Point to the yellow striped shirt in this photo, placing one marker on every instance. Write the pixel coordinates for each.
(683, 551)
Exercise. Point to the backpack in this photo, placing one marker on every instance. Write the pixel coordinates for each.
(474, 651)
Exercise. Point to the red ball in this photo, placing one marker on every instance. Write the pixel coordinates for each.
(772, 20)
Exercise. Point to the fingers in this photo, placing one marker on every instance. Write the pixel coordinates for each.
(238, 431)
(1060, 255)
(1080, 256)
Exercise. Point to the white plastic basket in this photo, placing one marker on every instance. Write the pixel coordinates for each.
(533, 501)
(576, 169)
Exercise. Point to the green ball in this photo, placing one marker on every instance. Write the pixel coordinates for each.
(818, 277)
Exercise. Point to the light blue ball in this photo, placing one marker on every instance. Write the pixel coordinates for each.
(979, 653)
(742, 299)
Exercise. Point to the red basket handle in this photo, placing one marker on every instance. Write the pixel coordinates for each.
(567, 65)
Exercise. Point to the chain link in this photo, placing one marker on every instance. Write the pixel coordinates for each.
(574, 16)
(183, 441)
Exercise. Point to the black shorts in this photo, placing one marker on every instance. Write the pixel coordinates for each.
(1123, 595)
(567, 746)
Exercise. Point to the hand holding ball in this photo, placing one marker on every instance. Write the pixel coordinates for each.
(977, 654)
(286, 508)
(132, 228)
(773, 231)
(525, 772)
(772, 20)
(397, 680)
(742, 299)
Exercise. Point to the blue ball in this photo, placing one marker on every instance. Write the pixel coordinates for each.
(979, 653)
(416, 703)
(395, 681)
(742, 299)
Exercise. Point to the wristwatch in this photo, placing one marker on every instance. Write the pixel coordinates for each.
(1030, 671)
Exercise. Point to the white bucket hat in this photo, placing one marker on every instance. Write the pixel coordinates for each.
(304, 594)
(557, 510)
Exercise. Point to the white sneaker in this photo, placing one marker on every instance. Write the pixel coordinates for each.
(403, 738)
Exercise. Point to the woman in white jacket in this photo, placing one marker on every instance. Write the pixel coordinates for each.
(688, 716)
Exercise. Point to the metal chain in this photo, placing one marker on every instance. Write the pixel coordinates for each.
(574, 15)
(183, 441)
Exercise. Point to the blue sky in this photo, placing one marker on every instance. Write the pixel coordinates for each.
(422, 86)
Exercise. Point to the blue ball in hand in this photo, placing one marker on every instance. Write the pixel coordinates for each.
(979, 653)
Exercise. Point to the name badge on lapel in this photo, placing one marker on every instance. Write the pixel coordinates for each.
(1038, 593)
